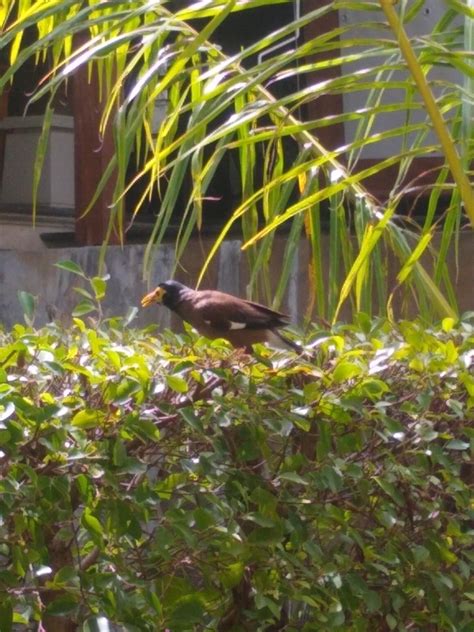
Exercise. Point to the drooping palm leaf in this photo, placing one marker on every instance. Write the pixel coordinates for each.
(227, 105)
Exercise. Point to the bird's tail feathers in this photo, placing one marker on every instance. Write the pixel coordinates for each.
(277, 339)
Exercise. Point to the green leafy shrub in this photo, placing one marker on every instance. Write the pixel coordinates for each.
(172, 483)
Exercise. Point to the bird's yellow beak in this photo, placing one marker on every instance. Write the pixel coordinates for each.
(153, 297)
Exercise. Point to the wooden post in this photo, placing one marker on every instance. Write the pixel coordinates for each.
(92, 153)
(3, 114)
(327, 104)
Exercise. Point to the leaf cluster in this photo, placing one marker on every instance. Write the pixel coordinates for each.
(166, 482)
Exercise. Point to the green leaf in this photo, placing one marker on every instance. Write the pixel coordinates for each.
(41, 152)
(204, 518)
(177, 383)
(91, 523)
(232, 574)
(5, 437)
(144, 428)
(390, 490)
(83, 292)
(191, 418)
(130, 315)
(414, 257)
(293, 477)
(87, 418)
(28, 305)
(66, 575)
(262, 601)
(324, 442)
(119, 453)
(62, 606)
(188, 610)
(6, 614)
(332, 477)
(70, 266)
(457, 444)
(261, 520)
(448, 324)
(373, 601)
(99, 285)
(346, 370)
(84, 307)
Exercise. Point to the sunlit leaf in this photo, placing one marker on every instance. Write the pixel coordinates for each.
(87, 418)
(177, 383)
(99, 285)
(91, 522)
(345, 371)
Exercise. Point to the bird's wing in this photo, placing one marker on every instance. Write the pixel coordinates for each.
(224, 311)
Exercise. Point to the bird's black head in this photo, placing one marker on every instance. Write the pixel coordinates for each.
(170, 293)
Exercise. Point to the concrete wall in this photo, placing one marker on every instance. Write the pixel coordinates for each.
(33, 271)
(18, 233)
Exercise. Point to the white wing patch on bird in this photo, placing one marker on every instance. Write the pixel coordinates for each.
(225, 324)
(234, 325)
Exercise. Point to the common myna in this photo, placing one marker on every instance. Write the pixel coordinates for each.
(219, 315)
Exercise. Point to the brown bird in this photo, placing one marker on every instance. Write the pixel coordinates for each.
(219, 315)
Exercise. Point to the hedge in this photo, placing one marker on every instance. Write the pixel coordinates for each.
(162, 482)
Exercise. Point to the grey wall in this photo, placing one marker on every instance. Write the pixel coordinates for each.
(34, 271)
